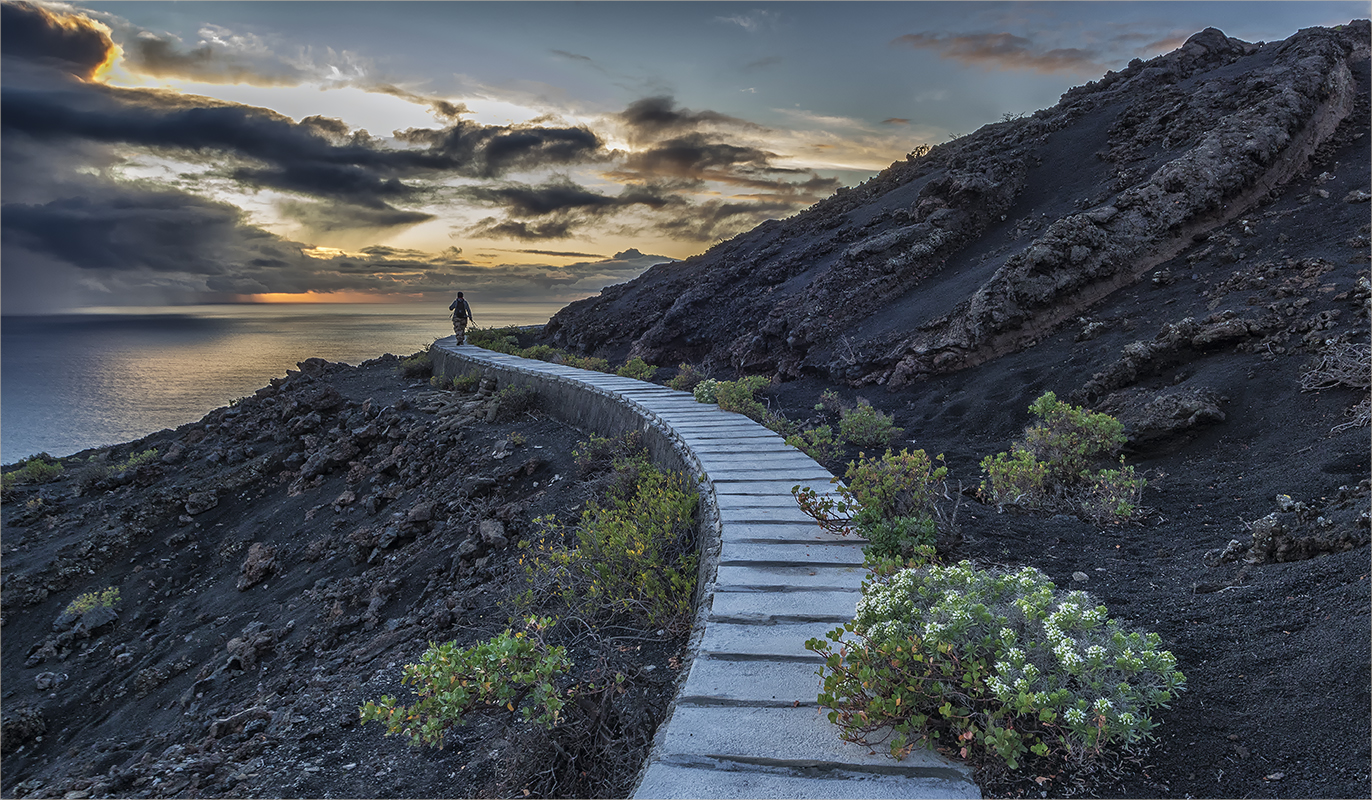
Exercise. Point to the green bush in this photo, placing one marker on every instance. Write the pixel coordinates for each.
(419, 365)
(512, 671)
(515, 399)
(1113, 495)
(867, 427)
(992, 666)
(686, 378)
(1053, 466)
(500, 340)
(638, 369)
(467, 382)
(706, 391)
(906, 484)
(105, 599)
(1016, 478)
(1069, 438)
(901, 539)
(593, 363)
(41, 468)
(542, 352)
(818, 443)
(633, 554)
(136, 460)
(600, 453)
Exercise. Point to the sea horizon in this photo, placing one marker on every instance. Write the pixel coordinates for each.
(100, 376)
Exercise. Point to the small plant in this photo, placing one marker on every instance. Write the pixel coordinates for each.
(992, 666)
(638, 369)
(829, 401)
(1014, 478)
(1113, 495)
(466, 382)
(91, 600)
(818, 443)
(515, 399)
(517, 439)
(593, 363)
(41, 468)
(600, 453)
(542, 352)
(906, 484)
(686, 378)
(512, 671)
(419, 365)
(135, 460)
(867, 427)
(706, 391)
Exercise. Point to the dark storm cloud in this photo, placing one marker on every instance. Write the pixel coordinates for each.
(488, 151)
(653, 117)
(165, 58)
(554, 210)
(166, 231)
(1002, 51)
(68, 42)
(355, 219)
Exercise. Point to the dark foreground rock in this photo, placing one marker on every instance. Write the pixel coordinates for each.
(277, 563)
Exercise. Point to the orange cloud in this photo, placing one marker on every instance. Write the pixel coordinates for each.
(1002, 51)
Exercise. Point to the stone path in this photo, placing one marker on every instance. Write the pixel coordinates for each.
(745, 722)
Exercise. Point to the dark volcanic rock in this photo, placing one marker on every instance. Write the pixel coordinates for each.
(986, 244)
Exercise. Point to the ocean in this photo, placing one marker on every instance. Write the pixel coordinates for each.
(104, 376)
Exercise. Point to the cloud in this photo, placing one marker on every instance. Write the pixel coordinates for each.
(753, 21)
(895, 121)
(561, 253)
(219, 57)
(554, 210)
(1002, 51)
(488, 151)
(717, 219)
(67, 42)
(442, 108)
(653, 117)
(761, 64)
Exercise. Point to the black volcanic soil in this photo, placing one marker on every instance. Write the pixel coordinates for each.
(277, 564)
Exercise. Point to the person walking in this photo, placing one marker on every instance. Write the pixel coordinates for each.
(462, 314)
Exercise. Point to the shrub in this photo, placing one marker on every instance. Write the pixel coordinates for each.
(818, 443)
(1051, 467)
(903, 539)
(466, 382)
(1113, 495)
(638, 369)
(634, 554)
(512, 671)
(515, 399)
(542, 352)
(867, 427)
(706, 391)
(90, 600)
(600, 453)
(136, 460)
(1069, 437)
(1016, 478)
(419, 365)
(992, 665)
(686, 378)
(829, 401)
(906, 484)
(593, 363)
(501, 340)
(737, 396)
(41, 468)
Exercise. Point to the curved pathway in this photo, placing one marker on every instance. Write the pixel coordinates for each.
(745, 722)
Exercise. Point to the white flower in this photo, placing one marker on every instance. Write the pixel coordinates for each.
(1075, 716)
(1103, 705)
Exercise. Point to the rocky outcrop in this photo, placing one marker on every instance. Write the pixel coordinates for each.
(985, 244)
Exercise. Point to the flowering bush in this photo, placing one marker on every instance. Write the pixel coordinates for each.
(705, 391)
(512, 671)
(991, 666)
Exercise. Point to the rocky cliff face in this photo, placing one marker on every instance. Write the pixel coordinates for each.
(985, 244)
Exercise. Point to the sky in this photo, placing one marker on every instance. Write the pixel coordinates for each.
(201, 152)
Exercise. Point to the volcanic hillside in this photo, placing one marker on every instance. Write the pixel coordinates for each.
(980, 246)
